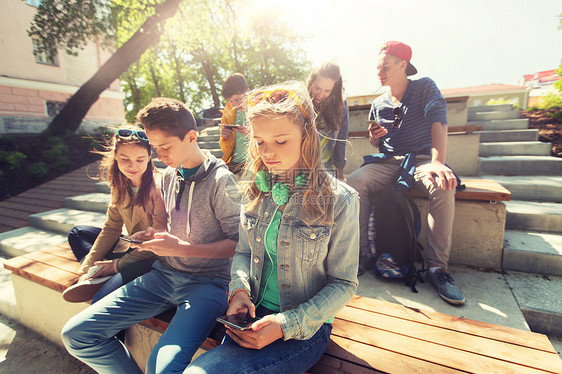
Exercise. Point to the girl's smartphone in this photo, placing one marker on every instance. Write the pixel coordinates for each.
(131, 240)
(231, 126)
(240, 321)
(373, 125)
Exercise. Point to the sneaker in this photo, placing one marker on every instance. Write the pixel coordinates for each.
(85, 290)
(445, 286)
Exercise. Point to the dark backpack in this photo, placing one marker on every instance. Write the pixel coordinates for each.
(397, 226)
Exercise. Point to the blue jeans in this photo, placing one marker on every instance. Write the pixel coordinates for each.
(90, 335)
(290, 356)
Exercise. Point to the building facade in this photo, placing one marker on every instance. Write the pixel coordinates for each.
(35, 86)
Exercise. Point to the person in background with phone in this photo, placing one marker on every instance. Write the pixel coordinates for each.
(296, 262)
(191, 273)
(135, 202)
(325, 86)
(234, 133)
(413, 119)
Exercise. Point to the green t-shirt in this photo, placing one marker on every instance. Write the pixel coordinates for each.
(240, 140)
(189, 172)
(269, 287)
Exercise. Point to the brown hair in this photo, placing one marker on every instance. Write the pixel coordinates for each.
(331, 108)
(119, 183)
(317, 199)
(168, 115)
(234, 84)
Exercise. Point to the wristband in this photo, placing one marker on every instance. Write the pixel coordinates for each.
(235, 292)
(115, 268)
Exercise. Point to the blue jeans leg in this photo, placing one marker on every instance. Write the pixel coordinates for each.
(90, 335)
(81, 238)
(202, 301)
(290, 356)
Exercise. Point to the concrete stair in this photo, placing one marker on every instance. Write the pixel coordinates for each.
(521, 165)
(208, 140)
(511, 155)
(527, 148)
(531, 188)
(509, 135)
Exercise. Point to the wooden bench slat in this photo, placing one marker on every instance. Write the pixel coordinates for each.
(52, 277)
(375, 357)
(430, 352)
(62, 250)
(49, 259)
(478, 328)
(496, 349)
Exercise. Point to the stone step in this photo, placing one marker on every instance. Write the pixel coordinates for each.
(509, 135)
(488, 116)
(62, 220)
(539, 300)
(92, 202)
(102, 187)
(490, 108)
(209, 145)
(531, 188)
(521, 165)
(515, 148)
(8, 306)
(532, 252)
(533, 216)
(504, 124)
(28, 239)
(208, 138)
(215, 130)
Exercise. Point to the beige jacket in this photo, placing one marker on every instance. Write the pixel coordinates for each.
(135, 218)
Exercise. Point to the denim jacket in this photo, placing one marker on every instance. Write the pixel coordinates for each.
(317, 265)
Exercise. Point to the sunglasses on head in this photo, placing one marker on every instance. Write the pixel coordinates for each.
(127, 134)
(398, 114)
(274, 97)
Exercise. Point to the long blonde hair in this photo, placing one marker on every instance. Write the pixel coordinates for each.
(317, 201)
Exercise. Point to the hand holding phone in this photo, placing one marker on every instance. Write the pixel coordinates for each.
(231, 126)
(135, 241)
(373, 125)
(239, 321)
(93, 270)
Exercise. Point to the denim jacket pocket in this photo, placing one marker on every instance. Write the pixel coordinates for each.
(310, 240)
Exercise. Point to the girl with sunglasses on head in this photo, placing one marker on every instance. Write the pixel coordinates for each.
(135, 202)
(325, 87)
(296, 261)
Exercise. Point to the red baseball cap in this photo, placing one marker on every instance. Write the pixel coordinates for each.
(400, 50)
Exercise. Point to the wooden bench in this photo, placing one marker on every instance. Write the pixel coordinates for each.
(368, 335)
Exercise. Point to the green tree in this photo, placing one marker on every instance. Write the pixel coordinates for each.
(69, 24)
(209, 40)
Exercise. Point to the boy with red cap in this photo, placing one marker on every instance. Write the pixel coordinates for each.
(413, 122)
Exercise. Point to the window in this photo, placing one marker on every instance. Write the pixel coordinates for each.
(54, 107)
(45, 54)
(355, 102)
(34, 3)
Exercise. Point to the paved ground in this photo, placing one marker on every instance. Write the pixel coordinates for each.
(24, 351)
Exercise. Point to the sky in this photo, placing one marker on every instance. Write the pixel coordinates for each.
(456, 43)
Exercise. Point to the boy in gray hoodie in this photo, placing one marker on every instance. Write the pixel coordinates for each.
(192, 272)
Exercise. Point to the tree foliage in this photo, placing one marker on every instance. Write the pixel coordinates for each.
(203, 43)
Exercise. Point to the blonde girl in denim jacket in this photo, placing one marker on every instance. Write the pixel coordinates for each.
(296, 261)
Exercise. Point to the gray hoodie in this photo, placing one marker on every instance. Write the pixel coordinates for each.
(200, 211)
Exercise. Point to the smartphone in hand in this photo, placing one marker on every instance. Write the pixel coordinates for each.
(373, 125)
(239, 321)
(135, 241)
(231, 126)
